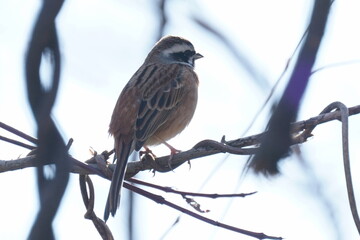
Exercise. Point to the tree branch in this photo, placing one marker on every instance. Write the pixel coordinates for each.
(300, 132)
(202, 149)
(159, 199)
(194, 194)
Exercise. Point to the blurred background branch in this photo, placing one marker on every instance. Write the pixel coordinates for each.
(51, 148)
(265, 161)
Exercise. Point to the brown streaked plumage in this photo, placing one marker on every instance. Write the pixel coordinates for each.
(156, 104)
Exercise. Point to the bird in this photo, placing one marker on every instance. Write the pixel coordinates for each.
(156, 104)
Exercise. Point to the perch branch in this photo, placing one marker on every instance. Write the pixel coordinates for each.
(201, 149)
(300, 131)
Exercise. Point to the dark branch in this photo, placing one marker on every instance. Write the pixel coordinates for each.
(161, 164)
(270, 151)
(159, 199)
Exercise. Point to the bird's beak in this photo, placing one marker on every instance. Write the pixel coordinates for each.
(197, 56)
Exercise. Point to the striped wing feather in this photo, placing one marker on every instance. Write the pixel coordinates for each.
(160, 97)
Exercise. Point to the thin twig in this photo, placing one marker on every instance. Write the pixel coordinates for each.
(183, 193)
(18, 133)
(271, 93)
(346, 157)
(334, 65)
(238, 55)
(16, 142)
(89, 201)
(159, 199)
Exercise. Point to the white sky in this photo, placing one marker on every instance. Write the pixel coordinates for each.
(104, 42)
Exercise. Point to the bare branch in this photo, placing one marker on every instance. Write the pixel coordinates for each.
(300, 131)
(89, 201)
(159, 199)
(346, 157)
(161, 164)
(182, 193)
(18, 133)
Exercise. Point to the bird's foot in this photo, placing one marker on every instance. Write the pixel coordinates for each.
(173, 150)
(147, 151)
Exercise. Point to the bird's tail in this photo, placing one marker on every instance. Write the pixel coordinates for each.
(123, 150)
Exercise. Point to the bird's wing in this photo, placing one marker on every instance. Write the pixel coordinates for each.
(161, 93)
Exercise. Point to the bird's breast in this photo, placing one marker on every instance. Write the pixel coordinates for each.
(178, 118)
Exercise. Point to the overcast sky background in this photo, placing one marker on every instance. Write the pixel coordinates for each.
(104, 42)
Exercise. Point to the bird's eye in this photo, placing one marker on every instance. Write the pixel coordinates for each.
(189, 53)
(184, 56)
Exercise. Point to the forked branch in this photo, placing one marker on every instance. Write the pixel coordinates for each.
(97, 165)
